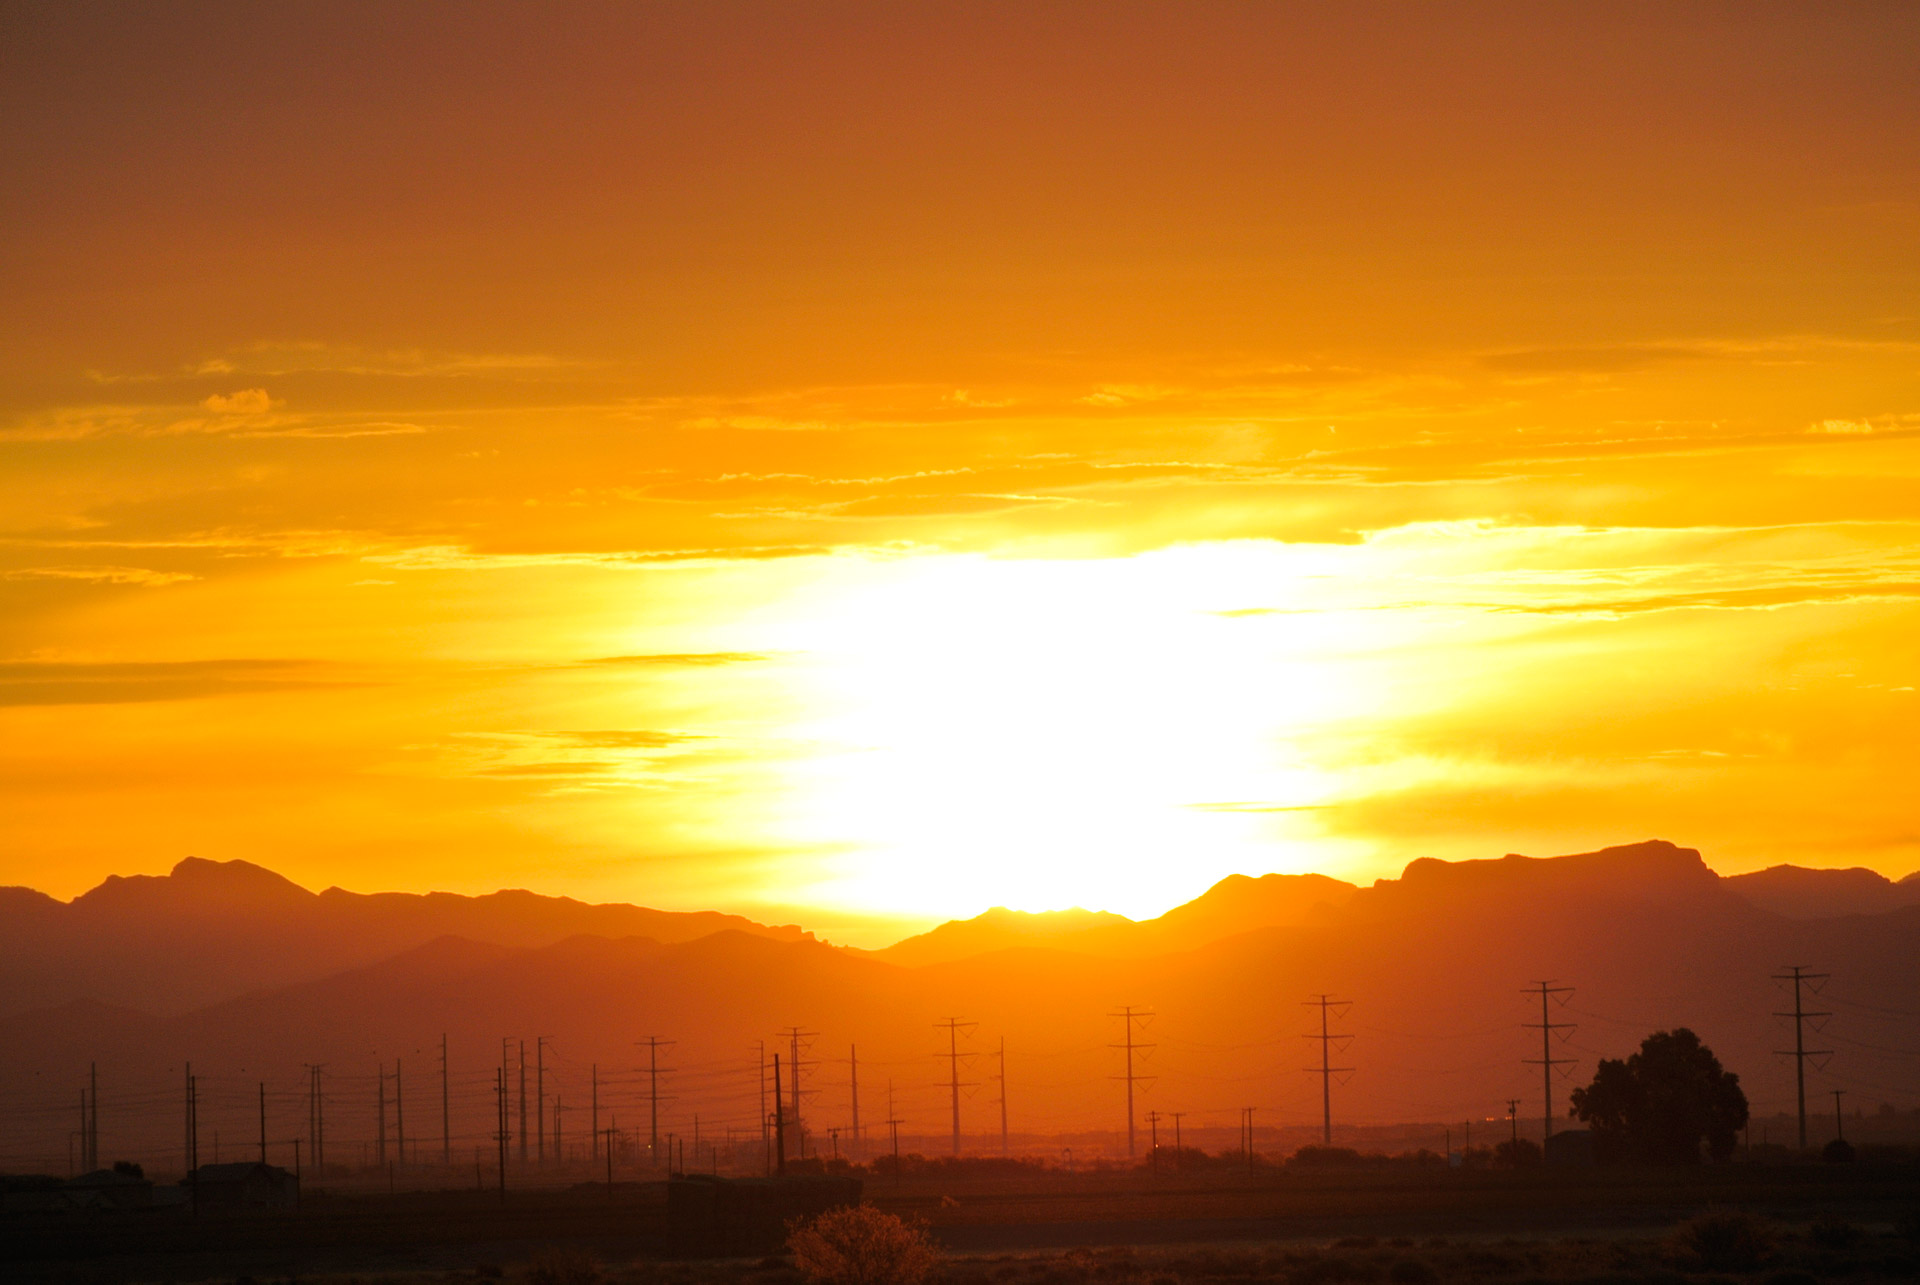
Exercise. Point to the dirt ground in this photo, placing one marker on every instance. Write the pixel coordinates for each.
(1599, 1227)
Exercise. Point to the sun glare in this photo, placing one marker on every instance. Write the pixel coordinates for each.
(1042, 734)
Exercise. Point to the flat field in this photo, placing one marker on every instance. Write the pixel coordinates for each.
(1780, 1224)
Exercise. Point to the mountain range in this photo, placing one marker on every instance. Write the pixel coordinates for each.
(251, 978)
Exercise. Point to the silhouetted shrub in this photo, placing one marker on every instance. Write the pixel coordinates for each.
(129, 1168)
(1412, 1271)
(565, 1266)
(1725, 1240)
(860, 1245)
(1517, 1153)
(1830, 1231)
(1790, 1278)
(1324, 1157)
(1837, 1152)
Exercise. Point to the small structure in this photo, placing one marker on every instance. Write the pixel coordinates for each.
(1571, 1150)
(734, 1216)
(101, 1191)
(121, 1187)
(248, 1185)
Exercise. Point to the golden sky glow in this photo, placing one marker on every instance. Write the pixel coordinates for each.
(893, 460)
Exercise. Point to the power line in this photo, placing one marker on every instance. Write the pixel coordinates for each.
(953, 1028)
(1128, 1017)
(1002, 1078)
(1547, 1061)
(794, 1036)
(1327, 1070)
(653, 1044)
(1799, 976)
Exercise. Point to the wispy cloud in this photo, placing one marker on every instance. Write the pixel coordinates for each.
(113, 683)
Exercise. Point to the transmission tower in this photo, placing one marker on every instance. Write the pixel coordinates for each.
(1002, 1079)
(1799, 976)
(1547, 1061)
(953, 1026)
(1128, 1016)
(653, 1044)
(795, 1035)
(1327, 1070)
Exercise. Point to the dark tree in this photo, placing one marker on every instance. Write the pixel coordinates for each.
(1659, 1105)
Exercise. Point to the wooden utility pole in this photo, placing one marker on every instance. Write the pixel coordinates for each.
(953, 1027)
(1327, 1070)
(1799, 976)
(446, 1107)
(1547, 1061)
(779, 1123)
(1128, 1017)
(540, 1099)
(853, 1091)
(1002, 1077)
(654, 1044)
(399, 1118)
(500, 1131)
(380, 1100)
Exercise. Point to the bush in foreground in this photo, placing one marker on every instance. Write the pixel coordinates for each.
(860, 1245)
(1725, 1240)
(562, 1266)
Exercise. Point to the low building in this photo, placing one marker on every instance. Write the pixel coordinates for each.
(733, 1216)
(247, 1185)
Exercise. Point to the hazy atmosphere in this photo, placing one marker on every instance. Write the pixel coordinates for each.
(923, 643)
(877, 461)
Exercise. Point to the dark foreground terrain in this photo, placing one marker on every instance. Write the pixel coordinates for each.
(1780, 1224)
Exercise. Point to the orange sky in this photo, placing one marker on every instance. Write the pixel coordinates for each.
(891, 460)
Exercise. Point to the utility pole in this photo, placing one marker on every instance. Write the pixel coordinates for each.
(1153, 1140)
(1327, 1070)
(92, 1143)
(1002, 1077)
(893, 1127)
(446, 1108)
(1839, 1124)
(263, 1122)
(1547, 1026)
(316, 1117)
(1799, 976)
(595, 1151)
(1176, 1136)
(653, 1045)
(380, 1100)
(779, 1123)
(1513, 1119)
(540, 1098)
(193, 1136)
(766, 1143)
(853, 1091)
(500, 1124)
(794, 1035)
(1128, 1016)
(523, 1101)
(953, 1027)
(399, 1118)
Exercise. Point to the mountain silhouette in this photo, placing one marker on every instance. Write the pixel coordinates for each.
(211, 930)
(1821, 894)
(1435, 965)
(1237, 904)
